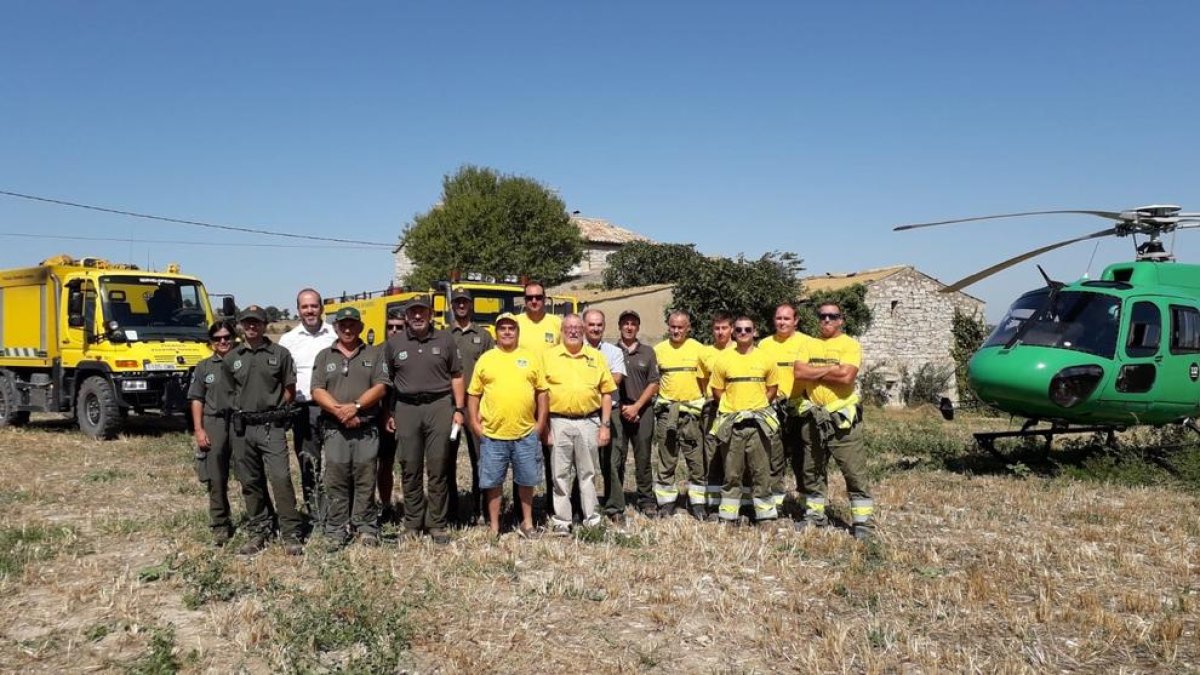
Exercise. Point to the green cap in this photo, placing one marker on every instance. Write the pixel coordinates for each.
(253, 312)
(347, 313)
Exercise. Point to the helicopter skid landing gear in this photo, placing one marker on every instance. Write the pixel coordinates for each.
(987, 440)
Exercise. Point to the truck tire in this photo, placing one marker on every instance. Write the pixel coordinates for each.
(96, 409)
(9, 415)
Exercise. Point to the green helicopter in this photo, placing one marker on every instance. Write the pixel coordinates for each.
(1102, 354)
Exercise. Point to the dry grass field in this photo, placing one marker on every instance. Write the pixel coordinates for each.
(105, 566)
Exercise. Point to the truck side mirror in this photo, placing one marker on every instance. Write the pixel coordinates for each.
(75, 320)
(228, 307)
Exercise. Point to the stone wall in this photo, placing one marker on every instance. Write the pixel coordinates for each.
(912, 323)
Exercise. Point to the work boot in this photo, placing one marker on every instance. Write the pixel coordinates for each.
(649, 510)
(368, 540)
(617, 519)
(812, 522)
(440, 537)
(221, 536)
(699, 512)
(293, 547)
(256, 544)
(666, 511)
(863, 532)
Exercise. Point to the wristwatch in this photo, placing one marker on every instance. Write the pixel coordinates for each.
(357, 405)
(461, 410)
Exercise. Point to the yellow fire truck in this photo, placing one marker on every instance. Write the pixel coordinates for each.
(97, 340)
(490, 297)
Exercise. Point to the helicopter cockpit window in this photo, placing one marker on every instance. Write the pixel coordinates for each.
(1075, 320)
(1185, 330)
(1145, 330)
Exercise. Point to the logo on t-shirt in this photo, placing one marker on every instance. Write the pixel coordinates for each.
(330, 367)
(522, 363)
(210, 378)
(549, 338)
(401, 356)
(237, 364)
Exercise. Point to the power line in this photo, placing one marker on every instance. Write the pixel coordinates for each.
(27, 235)
(197, 223)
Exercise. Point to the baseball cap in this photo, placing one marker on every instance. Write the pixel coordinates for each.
(507, 316)
(253, 312)
(460, 293)
(629, 314)
(347, 313)
(419, 301)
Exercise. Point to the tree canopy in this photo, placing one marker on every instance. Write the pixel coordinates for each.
(852, 300)
(495, 224)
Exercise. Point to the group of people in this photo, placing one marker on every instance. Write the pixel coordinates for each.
(547, 397)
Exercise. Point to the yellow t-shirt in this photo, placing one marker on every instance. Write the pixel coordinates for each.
(743, 379)
(708, 359)
(680, 370)
(842, 349)
(508, 383)
(536, 337)
(783, 354)
(576, 381)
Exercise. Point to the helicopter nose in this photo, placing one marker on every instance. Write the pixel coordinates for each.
(1032, 379)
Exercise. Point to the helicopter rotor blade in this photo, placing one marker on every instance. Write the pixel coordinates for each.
(999, 267)
(1111, 215)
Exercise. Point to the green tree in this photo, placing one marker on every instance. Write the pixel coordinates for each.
(495, 224)
(969, 332)
(738, 286)
(273, 313)
(852, 300)
(642, 263)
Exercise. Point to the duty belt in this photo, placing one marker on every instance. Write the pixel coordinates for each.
(674, 409)
(422, 398)
(264, 416)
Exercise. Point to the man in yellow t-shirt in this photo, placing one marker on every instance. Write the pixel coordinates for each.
(580, 392)
(539, 329)
(783, 347)
(825, 371)
(677, 417)
(722, 333)
(744, 381)
(508, 408)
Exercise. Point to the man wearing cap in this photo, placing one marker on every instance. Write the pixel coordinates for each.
(508, 410)
(783, 348)
(348, 383)
(264, 384)
(311, 336)
(580, 392)
(633, 422)
(677, 417)
(427, 380)
(387, 436)
(472, 342)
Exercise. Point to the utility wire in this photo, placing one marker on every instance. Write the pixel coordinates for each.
(197, 223)
(27, 235)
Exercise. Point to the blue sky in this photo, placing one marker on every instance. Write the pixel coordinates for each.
(741, 127)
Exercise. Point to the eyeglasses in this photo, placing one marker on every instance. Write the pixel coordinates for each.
(743, 329)
(829, 316)
(395, 326)
(531, 298)
(222, 338)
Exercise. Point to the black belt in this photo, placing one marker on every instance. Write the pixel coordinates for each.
(560, 416)
(421, 399)
(265, 416)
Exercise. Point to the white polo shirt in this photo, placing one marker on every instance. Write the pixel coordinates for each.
(304, 347)
(616, 362)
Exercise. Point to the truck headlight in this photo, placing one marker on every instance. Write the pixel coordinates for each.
(133, 385)
(1071, 386)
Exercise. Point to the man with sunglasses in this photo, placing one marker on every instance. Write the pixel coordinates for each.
(540, 330)
(472, 341)
(744, 382)
(678, 413)
(825, 370)
(386, 480)
(311, 336)
(782, 347)
(429, 396)
(348, 383)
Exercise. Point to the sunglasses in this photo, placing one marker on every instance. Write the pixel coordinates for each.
(345, 367)
(829, 316)
(395, 326)
(529, 298)
(743, 329)
(222, 338)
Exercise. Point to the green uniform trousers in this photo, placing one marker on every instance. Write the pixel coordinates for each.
(848, 449)
(685, 440)
(640, 435)
(747, 452)
(351, 466)
(261, 457)
(426, 463)
(216, 472)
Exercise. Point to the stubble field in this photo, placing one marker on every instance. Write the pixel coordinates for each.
(980, 567)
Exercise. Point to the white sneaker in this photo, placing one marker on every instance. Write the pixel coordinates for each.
(560, 530)
(594, 521)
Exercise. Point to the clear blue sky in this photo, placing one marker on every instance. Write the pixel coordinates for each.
(741, 127)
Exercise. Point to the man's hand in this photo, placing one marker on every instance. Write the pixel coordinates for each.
(544, 434)
(605, 436)
(630, 413)
(202, 440)
(459, 418)
(353, 422)
(346, 412)
(390, 423)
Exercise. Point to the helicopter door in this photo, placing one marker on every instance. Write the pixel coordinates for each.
(1180, 372)
(1139, 360)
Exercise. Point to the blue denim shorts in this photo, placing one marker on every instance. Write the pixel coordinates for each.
(524, 454)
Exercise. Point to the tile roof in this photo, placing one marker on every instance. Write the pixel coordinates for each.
(832, 282)
(603, 232)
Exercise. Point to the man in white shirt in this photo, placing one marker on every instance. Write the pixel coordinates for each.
(304, 342)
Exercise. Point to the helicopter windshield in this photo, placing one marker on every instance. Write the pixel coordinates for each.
(1076, 320)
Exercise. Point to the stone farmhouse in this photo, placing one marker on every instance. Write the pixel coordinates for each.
(600, 240)
(911, 321)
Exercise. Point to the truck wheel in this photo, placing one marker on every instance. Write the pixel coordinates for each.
(9, 415)
(96, 409)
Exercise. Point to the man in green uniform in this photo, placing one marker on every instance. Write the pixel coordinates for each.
(211, 394)
(677, 410)
(264, 383)
(429, 406)
(472, 341)
(348, 382)
(634, 422)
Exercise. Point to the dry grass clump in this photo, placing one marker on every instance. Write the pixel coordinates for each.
(104, 563)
